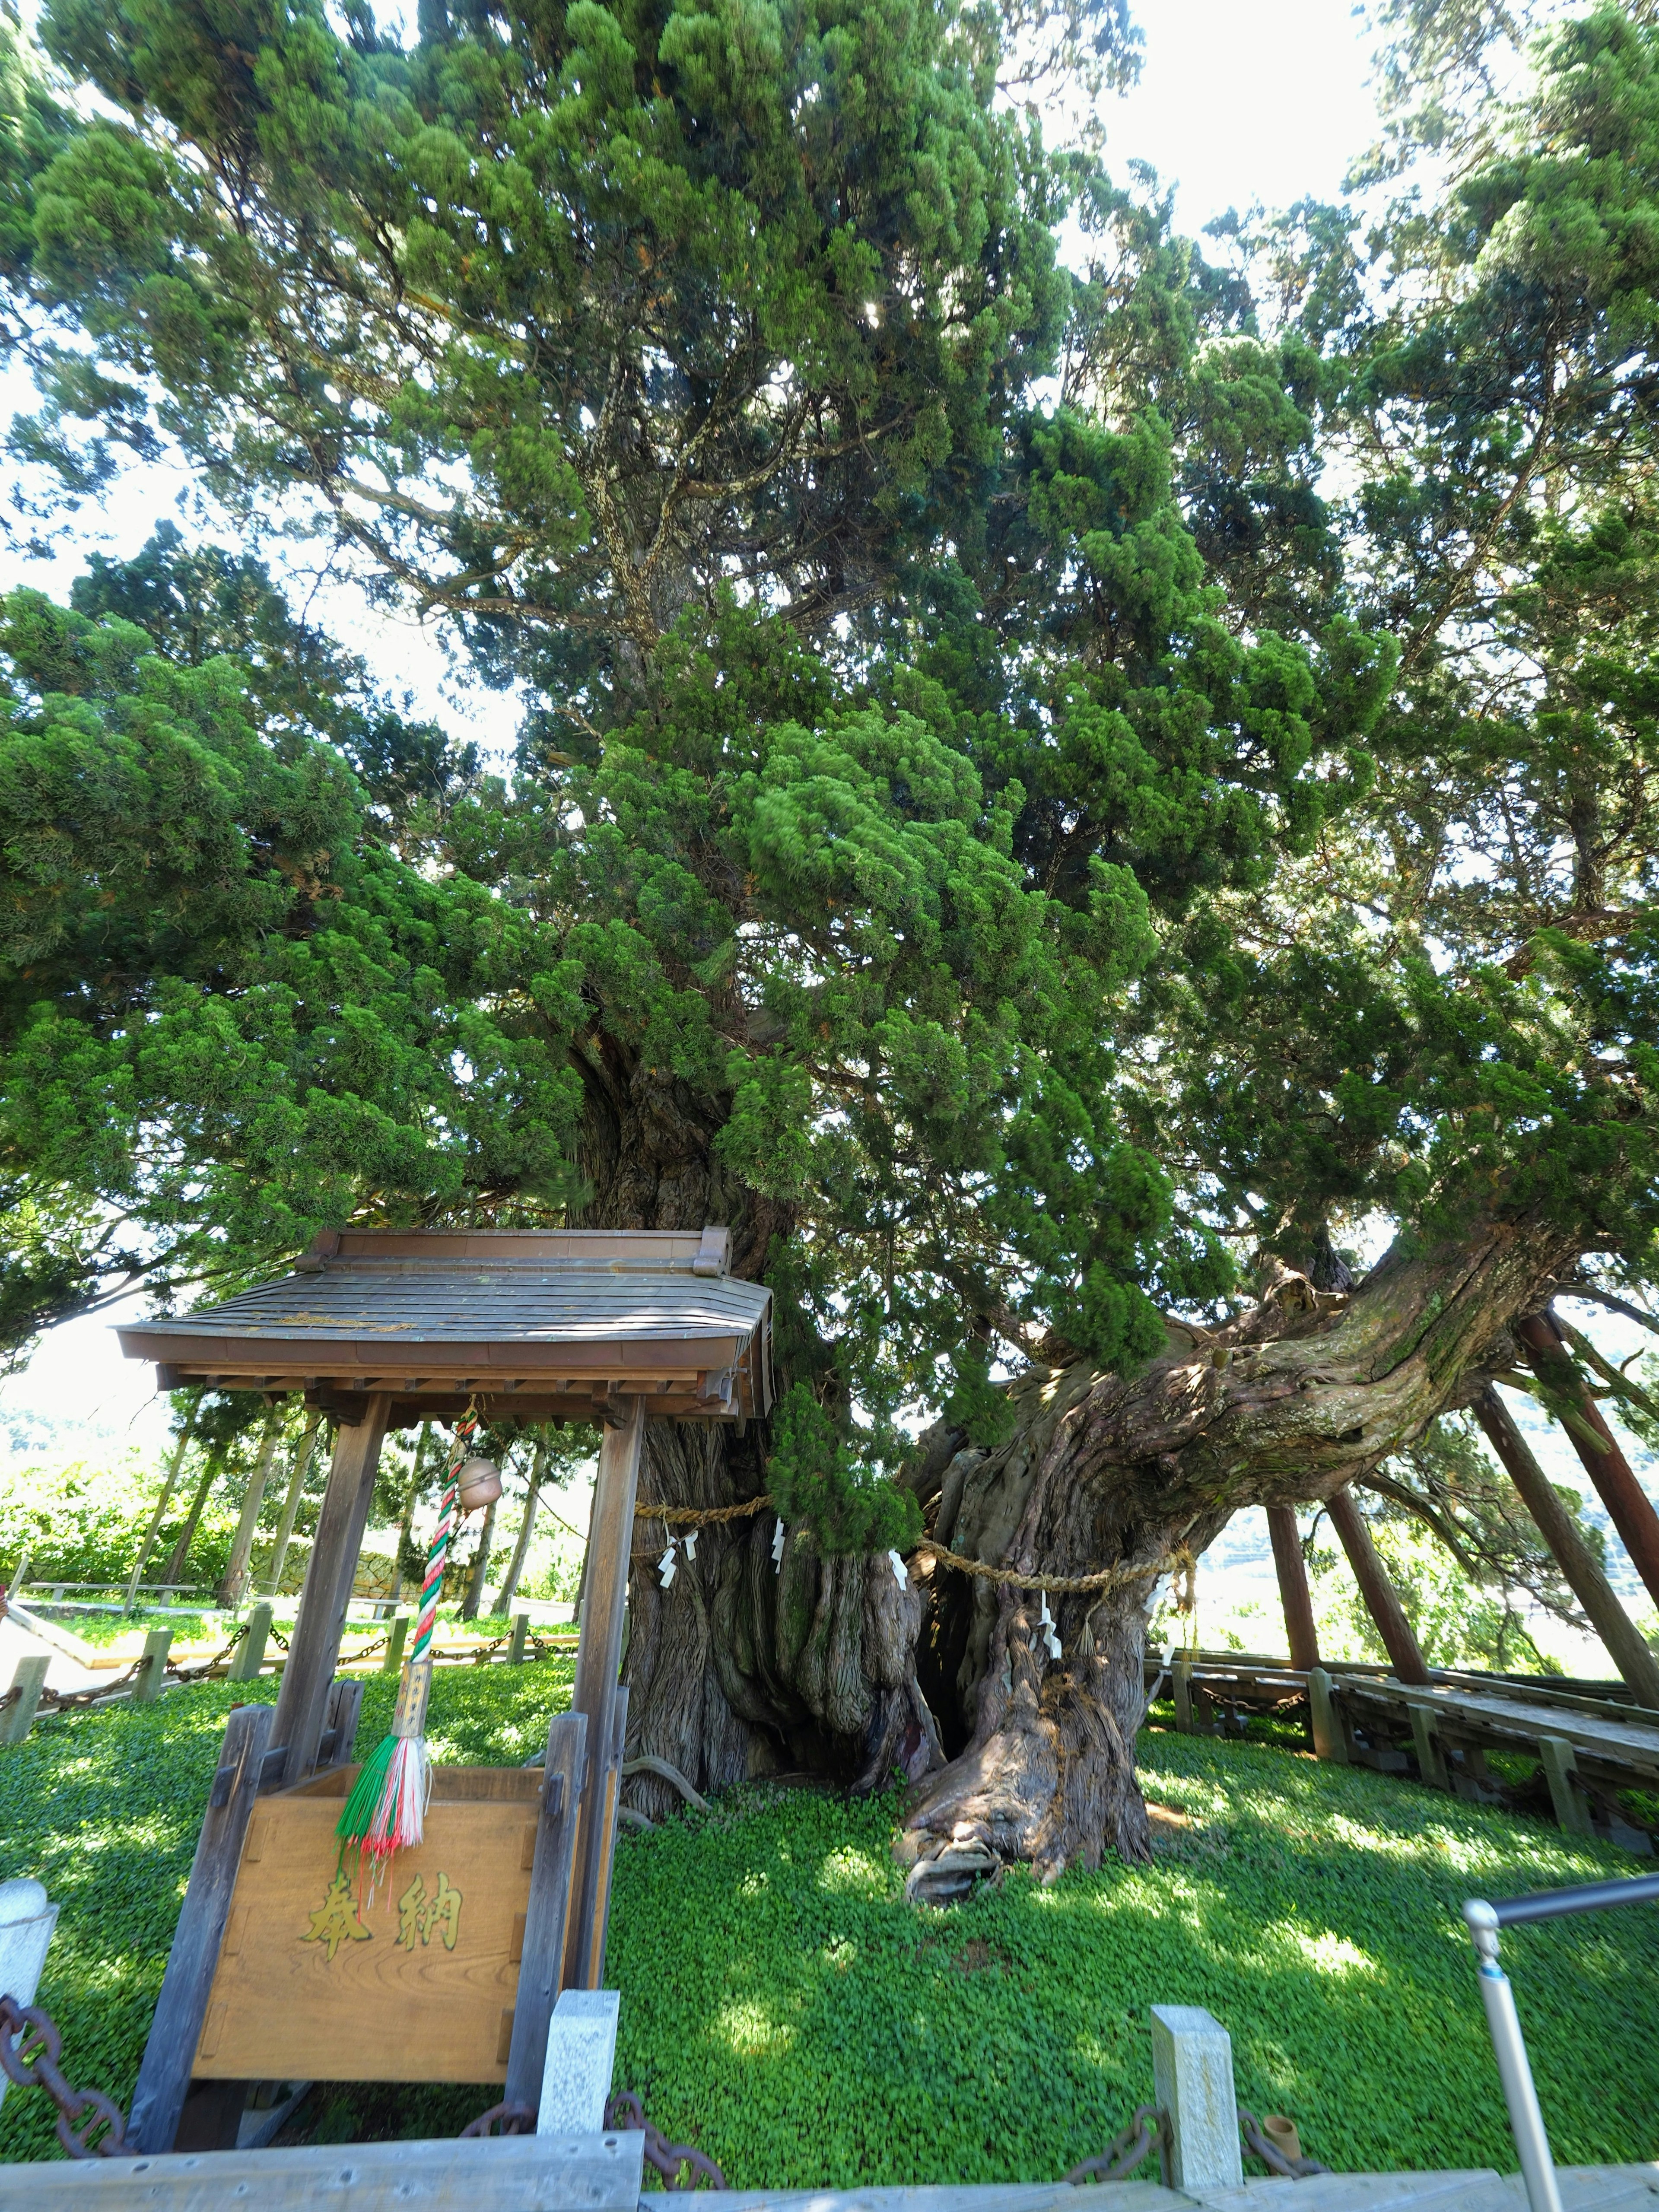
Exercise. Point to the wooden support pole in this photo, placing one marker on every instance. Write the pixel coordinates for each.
(547, 1912)
(526, 1526)
(599, 1661)
(1561, 1765)
(1627, 1503)
(28, 1682)
(241, 1547)
(1382, 1599)
(1329, 1735)
(612, 1800)
(315, 1647)
(1580, 1569)
(158, 2102)
(175, 1467)
(1181, 1686)
(1430, 1760)
(296, 1483)
(1293, 1593)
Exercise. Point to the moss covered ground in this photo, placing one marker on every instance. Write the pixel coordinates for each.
(783, 2008)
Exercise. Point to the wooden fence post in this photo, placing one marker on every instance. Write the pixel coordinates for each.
(520, 1630)
(28, 1682)
(1430, 1760)
(396, 1636)
(1330, 1738)
(249, 1653)
(147, 1686)
(1572, 1812)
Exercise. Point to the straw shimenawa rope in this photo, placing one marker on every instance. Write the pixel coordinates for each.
(1178, 1561)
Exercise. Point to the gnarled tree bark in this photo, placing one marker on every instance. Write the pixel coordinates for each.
(745, 1665)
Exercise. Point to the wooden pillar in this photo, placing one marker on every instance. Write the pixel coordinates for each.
(1293, 1592)
(315, 1648)
(1626, 1646)
(1382, 1599)
(1627, 1503)
(599, 1661)
(158, 2102)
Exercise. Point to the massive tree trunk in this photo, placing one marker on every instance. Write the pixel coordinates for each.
(742, 1666)
(1307, 1391)
(746, 1665)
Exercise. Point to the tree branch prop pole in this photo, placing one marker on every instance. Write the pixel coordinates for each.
(1626, 1645)
(387, 1810)
(291, 1504)
(156, 1518)
(1627, 1504)
(1382, 1599)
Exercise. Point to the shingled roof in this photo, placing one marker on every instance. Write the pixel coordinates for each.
(533, 1325)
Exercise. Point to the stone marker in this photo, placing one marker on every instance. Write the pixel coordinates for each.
(1192, 2070)
(28, 1682)
(582, 2052)
(26, 1920)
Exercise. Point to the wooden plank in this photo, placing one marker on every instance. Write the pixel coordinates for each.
(547, 1909)
(330, 1571)
(1522, 1722)
(511, 2173)
(612, 1800)
(598, 1662)
(164, 2076)
(992, 2196)
(314, 1983)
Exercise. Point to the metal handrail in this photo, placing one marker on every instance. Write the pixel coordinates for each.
(1532, 2143)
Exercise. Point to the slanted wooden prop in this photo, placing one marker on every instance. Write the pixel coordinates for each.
(281, 1969)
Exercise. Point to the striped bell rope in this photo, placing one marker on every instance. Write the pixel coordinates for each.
(385, 1812)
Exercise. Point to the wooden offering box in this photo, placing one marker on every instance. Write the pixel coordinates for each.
(311, 1984)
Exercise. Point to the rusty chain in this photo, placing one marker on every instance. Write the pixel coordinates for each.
(623, 2111)
(1265, 2148)
(29, 2046)
(1147, 2131)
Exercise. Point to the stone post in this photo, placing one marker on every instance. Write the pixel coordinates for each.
(1193, 2071)
(26, 1920)
(28, 1682)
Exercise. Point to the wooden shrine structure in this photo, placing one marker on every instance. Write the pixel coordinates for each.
(278, 1971)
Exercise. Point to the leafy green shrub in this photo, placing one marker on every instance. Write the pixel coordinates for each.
(83, 1524)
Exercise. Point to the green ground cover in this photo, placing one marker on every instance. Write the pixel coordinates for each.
(786, 2009)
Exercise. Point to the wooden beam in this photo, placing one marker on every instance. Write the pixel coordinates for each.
(507, 2173)
(1580, 1570)
(1293, 1592)
(1627, 1504)
(598, 1662)
(1382, 1599)
(158, 2102)
(548, 1910)
(323, 1601)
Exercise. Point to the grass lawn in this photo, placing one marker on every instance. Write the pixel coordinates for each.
(784, 2009)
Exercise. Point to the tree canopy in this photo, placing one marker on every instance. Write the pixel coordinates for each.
(1043, 783)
